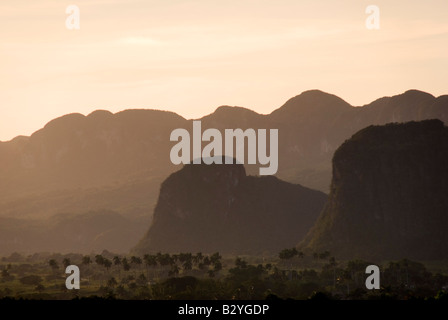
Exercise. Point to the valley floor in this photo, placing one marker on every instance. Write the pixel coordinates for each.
(187, 276)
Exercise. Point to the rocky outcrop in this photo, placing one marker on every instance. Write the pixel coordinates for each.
(388, 197)
(208, 208)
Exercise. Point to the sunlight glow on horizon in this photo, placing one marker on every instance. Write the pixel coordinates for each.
(191, 57)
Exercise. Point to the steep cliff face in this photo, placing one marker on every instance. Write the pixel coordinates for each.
(214, 207)
(389, 195)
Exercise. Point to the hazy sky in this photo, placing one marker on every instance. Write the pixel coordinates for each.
(192, 56)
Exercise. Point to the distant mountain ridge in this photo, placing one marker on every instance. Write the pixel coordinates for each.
(388, 196)
(65, 233)
(106, 161)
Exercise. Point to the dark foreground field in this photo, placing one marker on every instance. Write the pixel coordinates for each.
(290, 275)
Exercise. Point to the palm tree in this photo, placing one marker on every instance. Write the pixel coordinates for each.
(5, 273)
(240, 263)
(165, 259)
(406, 265)
(125, 264)
(117, 261)
(174, 270)
(86, 260)
(333, 263)
(150, 261)
(107, 264)
(112, 282)
(53, 264)
(201, 266)
(66, 262)
(187, 265)
(215, 257)
(121, 291)
(288, 254)
(206, 261)
(218, 266)
(136, 260)
(141, 280)
(198, 258)
(99, 259)
(324, 255)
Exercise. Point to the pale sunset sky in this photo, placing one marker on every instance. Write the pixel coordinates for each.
(192, 56)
